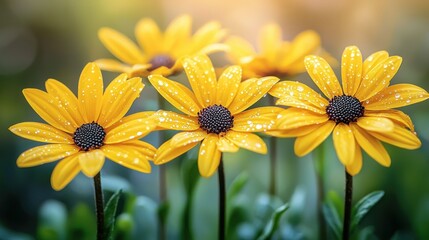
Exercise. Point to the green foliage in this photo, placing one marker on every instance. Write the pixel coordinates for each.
(110, 214)
(363, 207)
(52, 221)
(273, 224)
(331, 212)
(191, 177)
(81, 223)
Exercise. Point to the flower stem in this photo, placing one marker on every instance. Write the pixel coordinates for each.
(99, 206)
(222, 200)
(319, 164)
(162, 175)
(272, 156)
(347, 206)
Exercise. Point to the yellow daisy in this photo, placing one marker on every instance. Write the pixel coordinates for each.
(86, 129)
(158, 53)
(360, 114)
(213, 113)
(275, 57)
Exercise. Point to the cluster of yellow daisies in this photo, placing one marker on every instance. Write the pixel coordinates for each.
(82, 130)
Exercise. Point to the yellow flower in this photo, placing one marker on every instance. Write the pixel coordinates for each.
(275, 57)
(213, 113)
(158, 53)
(359, 114)
(86, 129)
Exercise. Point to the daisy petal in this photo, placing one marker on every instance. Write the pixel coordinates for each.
(120, 46)
(167, 152)
(306, 143)
(91, 162)
(250, 91)
(296, 132)
(247, 141)
(395, 115)
(91, 91)
(128, 157)
(355, 167)
(67, 99)
(378, 78)
(240, 49)
(112, 65)
(323, 76)
(118, 98)
(344, 142)
(40, 132)
(208, 34)
(351, 70)
(176, 121)
(373, 60)
(296, 94)
(395, 96)
(224, 145)
(202, 77)
(64, 172)
(270, 40)
(174, 93)
(148, 36)
(50, 110)
(209, 156)
(256, 119)
(400, 137)
(143, 148)
(375, 124)
(371, 145)
(129, 130)
(132, 117)
(45, 154)
(177, 33)
(303, 44)
(228, 85)
(185, 138)
(295, 117)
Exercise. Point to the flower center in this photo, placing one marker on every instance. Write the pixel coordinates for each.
(161, 60)
(215, 119)
(89, 136)
(344, 109)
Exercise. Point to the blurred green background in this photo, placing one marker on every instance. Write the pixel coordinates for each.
(41, 39)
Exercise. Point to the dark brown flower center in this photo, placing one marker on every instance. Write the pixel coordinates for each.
(344, 109)
(161, 60)
(89, 136)
(215, 119)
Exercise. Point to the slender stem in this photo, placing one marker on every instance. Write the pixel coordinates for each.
(347, 206)
(222, 200)
(99, 206)
(319, 164)
(273, 157)
(162, 175)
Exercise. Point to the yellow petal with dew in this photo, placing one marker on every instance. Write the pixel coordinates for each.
(65, 98)
(50, 110)
(398, 95)
(45, 154)
(149, 36)
(400, 137)
(167, 152)
(256, 119)
(209, 155)
(396, 116)
(176, 121)
(129, 130)
(120, 46)
(355, 167)
(225, 145)
(372, 146)
(228, 85)
(344, 143)
(295, 117)
(118, 98)
(378, 78)
(41, 132)
(132, 117)
(305, 43)
(373, 60)
(351, 69)
(306, 143)
(128, 157)
(91, 162)
(375, 124)
(250, 91)
(174, 94)
(185, 138)
(144, 148)
(323, 76)
(64, 172)
(296, 94)
(295, 132)
(247, 141)
(91, 91)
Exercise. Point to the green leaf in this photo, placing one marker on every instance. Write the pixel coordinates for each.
(190, 175)
(110, 214)
(363, 206)
(273, 223)
(332, 218)
(237, 185)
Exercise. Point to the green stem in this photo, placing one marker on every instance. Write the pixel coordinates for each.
(99, 206)
(319, 164)
(347, 205)
(222, 201)
(162, 175)
(272, 156)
